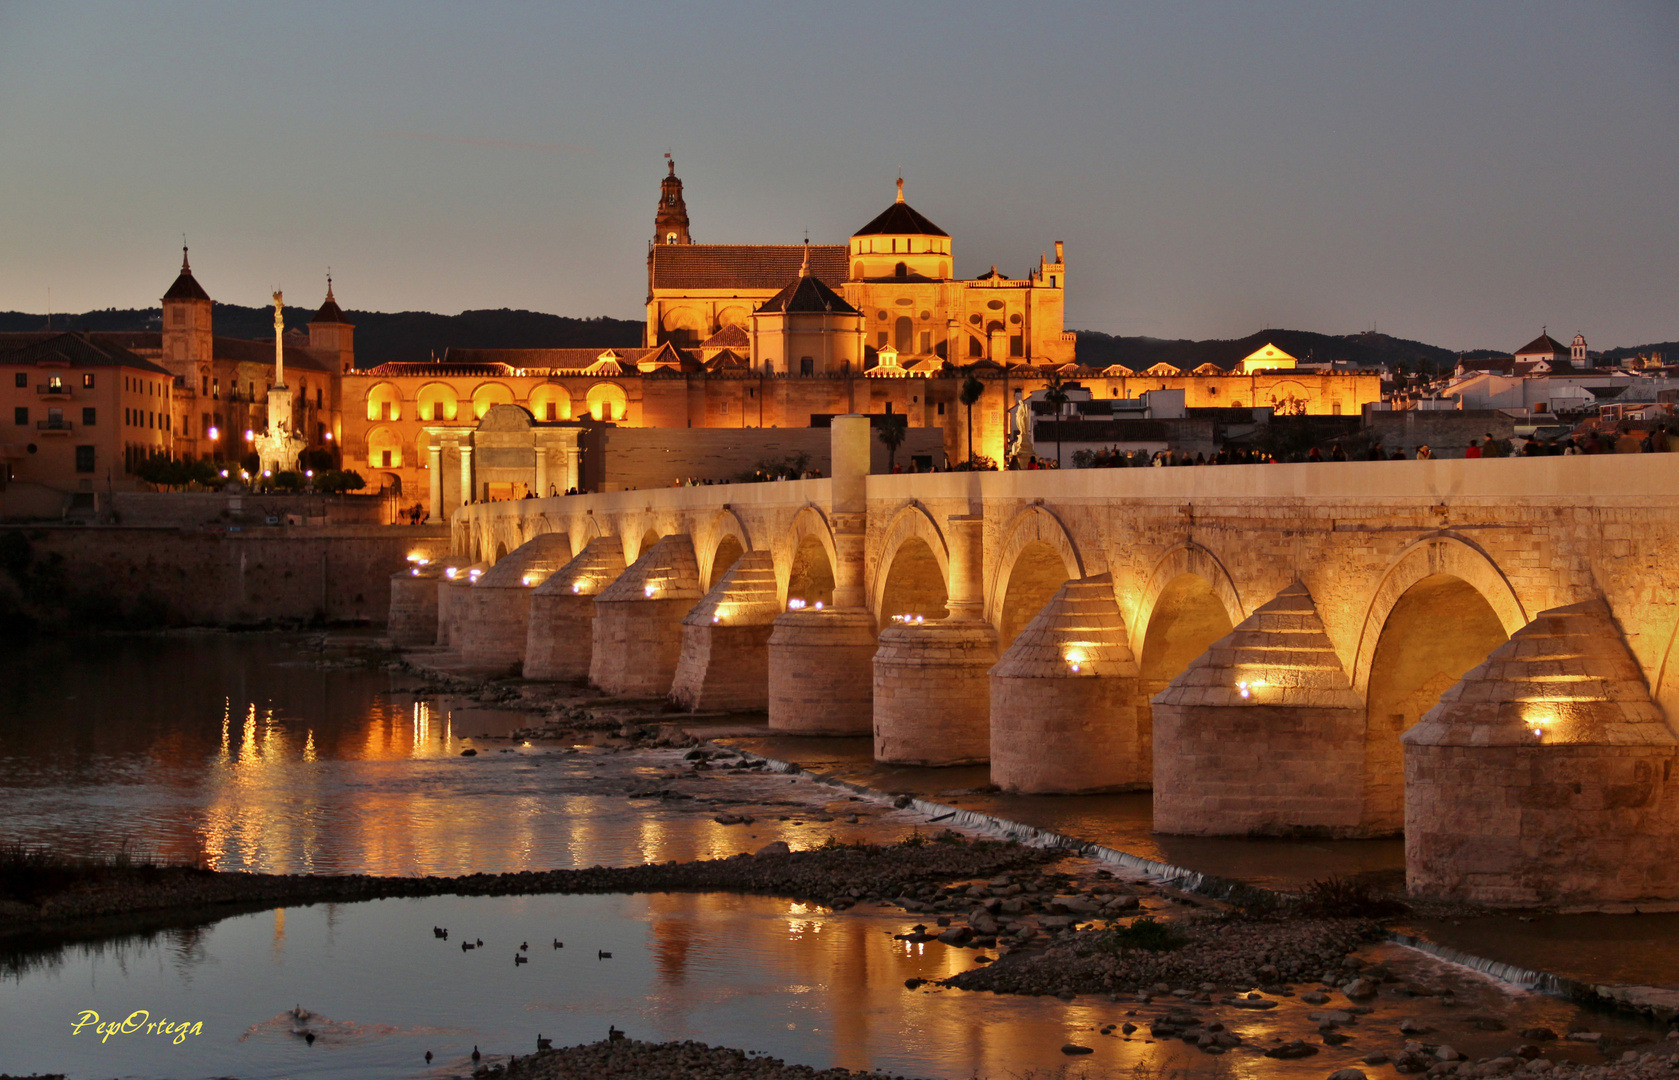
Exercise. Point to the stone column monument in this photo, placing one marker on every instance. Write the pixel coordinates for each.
(278, 446)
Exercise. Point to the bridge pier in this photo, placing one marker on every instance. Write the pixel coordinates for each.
(1546, 775)
(496, 627)
(725, 640)
(638, 620)
(454, 599)
(1262, 735)
(559, 637)
(932, 697)
(1065, 709)
(821, 663)
(413, 614)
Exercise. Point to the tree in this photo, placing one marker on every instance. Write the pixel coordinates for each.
(972, 390)
(892, 431)
(1056, 394)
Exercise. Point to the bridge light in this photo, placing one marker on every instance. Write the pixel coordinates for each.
(450, 573)
(577, 586)
(648, 591)
(528, 580)
(819, 605)
(1247, 688)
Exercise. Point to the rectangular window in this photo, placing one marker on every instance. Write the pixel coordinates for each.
(879, 341)
(87, 381)
(385, 459)
(318, 399)
(926, 341)
(1016, 345)
(84, 459)
(1336, 409)
(204, 380)
(807, 365)
(941, 408)
(20, 415)
(90, 417)
(22, 379)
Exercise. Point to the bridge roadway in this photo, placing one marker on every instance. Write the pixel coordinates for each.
(1478, 653)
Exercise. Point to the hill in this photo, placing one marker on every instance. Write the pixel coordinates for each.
(415, 335)
(380, 336)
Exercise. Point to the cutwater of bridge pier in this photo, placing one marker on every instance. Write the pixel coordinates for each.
(1476, 653)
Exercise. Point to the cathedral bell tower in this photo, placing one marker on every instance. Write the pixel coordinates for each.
(670, 224)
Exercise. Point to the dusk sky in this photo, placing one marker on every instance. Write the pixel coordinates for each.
(1456, 173)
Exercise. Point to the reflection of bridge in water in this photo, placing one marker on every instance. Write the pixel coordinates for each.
(1476, 652)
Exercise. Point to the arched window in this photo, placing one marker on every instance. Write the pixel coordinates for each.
(384, 402)
(902, 330)
(436, 401)
(487, 395)
(607, 401)
(901, 270)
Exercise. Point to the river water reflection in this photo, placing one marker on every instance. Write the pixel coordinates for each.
(256, 752)
(750, 972)
(261, 752)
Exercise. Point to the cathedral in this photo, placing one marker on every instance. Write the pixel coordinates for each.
(891, 288)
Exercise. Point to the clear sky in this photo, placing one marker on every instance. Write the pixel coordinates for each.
(1459, 173)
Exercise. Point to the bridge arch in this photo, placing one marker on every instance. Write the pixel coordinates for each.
(805, 559)
(1442, 606)
(1431, 556)
(1189, 602)
(913, 570)
(724, 535)
(1187, 558)
(1038, 554)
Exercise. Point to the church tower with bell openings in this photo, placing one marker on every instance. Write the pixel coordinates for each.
(670, 224)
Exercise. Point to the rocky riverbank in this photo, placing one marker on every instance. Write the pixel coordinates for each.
(632, 1060)
(1199, 956)
(838, 876)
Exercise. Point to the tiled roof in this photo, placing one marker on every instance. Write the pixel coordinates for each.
(900, 219)
(75, 350)
(808, 293)
(186, 287)
(241, 351)
(1544, 343)
(730, 337)
(330, 312)
(741, 266)
(538, 358)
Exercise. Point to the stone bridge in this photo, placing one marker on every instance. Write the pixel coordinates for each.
(1478, 653)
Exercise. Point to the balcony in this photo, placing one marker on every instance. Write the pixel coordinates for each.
(51, 390)
(54, 427)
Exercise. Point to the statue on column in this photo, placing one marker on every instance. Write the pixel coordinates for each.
(278, 446)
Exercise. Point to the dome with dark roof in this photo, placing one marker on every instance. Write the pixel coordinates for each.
(900, 219)
(808, 294)
(330, 312)
(186, 286)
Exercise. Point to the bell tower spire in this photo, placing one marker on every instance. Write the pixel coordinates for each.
(670, 224)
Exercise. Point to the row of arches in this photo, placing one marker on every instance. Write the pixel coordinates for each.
(440, 402)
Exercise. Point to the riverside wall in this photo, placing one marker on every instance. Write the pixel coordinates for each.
(218, 577)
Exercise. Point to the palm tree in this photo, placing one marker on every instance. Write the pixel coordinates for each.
(1056, 395)
(892, 431)
(972, 390)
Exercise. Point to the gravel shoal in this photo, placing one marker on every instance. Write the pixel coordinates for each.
(659, 1061)
(828, 875)
(1232, 951)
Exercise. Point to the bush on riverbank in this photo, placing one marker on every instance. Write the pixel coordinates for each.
(31, 874)
(661, 1061)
